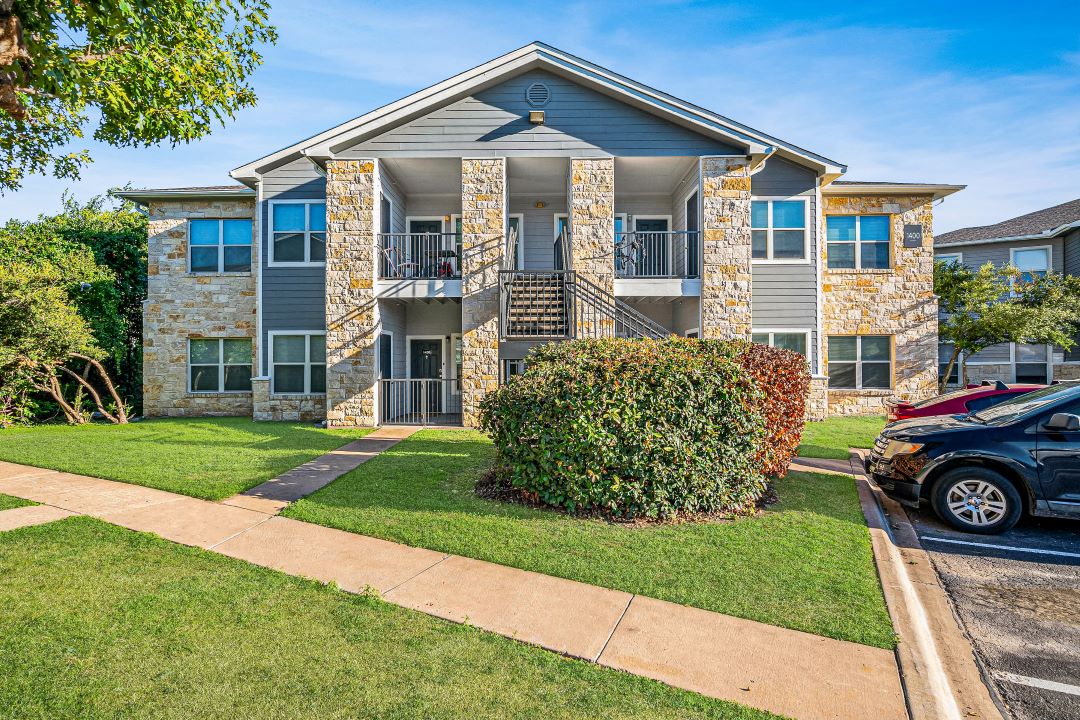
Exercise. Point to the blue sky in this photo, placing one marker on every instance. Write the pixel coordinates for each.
(985, 94)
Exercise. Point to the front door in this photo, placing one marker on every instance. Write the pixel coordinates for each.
(425, 369)
(653, 250)
(423, 247)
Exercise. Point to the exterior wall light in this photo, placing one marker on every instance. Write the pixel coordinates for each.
(536, 117)
(540, 204)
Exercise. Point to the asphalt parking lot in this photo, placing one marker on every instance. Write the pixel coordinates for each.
(1018, 596)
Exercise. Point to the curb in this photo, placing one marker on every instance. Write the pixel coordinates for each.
(941, 676)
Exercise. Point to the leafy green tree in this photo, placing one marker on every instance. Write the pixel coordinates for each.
(154, 70)
(995, 305)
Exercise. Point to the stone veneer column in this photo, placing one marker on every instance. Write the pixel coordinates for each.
(726, 270)
(483, 226)
(592, 229)
(897, 301)
(352, 312)
(181, 305)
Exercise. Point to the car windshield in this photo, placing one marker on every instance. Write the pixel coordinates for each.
(943, 398)
(1021, 405)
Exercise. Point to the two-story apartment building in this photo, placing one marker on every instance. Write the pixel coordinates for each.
(1036, 243)
(398, 266)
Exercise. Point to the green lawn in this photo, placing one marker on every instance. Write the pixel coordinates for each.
(804, 564)
(102, 622)
(832, 437)
(7, 502)
(209, 458)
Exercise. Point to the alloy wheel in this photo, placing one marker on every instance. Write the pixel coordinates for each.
(977, 502)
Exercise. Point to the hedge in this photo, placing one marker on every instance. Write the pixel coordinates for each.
(784, 379)
(631, 428)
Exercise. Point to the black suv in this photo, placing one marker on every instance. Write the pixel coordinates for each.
(981, 471)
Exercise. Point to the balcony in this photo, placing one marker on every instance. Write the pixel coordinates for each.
(657, 264)
(419, 265)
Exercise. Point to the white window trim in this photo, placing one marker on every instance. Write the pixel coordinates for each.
(858, 242)
(451, 366)
(220, 366)
(379, 367)
(769, 259)
(942, 257)
(1049, 254)
(555, 234)
(696, 332)
(859, 364)
(808, 332)
(307, 358)
(221, 249)
(504, 366)
(1012, 362)
(383, 195)
(697, 209)
(271, 262)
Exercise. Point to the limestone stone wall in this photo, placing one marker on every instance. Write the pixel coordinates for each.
(182, 305)
(483, 224)
(352, 312)
(1065, 371)
(726, 256)
(817, 404)
(592, 219)
(297, 408)
(898, 301)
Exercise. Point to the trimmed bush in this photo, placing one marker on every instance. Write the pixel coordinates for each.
(633, 428)
(784, 380)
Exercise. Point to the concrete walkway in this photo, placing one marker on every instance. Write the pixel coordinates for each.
(274, 495)
(783, 671)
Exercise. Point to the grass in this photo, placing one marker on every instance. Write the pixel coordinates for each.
(102, 622)
(805, 564)
(7, 502)
(210, 458)
(832, 437)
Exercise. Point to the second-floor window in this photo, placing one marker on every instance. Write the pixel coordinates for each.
(298, 233)
(1032, 262)
(858, 241)
(778, 229)
(219, 246)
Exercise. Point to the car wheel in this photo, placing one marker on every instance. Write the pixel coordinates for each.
(977, 500)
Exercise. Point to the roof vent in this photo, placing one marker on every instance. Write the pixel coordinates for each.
(537, 94)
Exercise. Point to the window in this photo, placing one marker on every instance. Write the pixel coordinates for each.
(298, 363)
(512, 368)
(858, 241)
(957, 258)
(219, 246)
(796, 340)
(299, 233)
(778, 229)
(1031, 262)
(1031, 364)
(219, 365)
(860, 362)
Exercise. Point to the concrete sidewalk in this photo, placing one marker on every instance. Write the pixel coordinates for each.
(783, 671)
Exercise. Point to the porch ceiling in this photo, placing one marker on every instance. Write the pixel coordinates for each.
(643, 175)
(425, 176)
(537, 176)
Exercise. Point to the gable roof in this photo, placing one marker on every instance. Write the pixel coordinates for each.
(322, 146)
(1041, 224)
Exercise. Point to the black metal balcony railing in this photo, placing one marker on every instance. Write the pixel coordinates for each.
(672, 254)
(416, 256)
(420, 401)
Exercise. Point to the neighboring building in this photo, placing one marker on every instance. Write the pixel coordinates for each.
(398, 266)
(1037, 242)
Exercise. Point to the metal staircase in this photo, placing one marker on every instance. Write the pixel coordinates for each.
(561, 305)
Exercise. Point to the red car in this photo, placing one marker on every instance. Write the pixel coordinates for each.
(958, 402)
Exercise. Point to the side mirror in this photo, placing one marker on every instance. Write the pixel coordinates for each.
(1063, 422)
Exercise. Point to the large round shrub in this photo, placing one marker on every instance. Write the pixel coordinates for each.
(632, 428)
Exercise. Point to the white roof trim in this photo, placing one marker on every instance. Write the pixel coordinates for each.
(141, 197)
(536, 54)
(1044, 235)
(938, 191)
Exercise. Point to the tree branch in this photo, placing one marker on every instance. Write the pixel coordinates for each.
(93, 393)
(121, 414)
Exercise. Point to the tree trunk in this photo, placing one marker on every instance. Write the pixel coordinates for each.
(93, 393)
(948, 370)
(53, 389)
(121, 414)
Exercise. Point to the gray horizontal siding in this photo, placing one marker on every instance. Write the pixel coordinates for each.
(994, 353)
(975, 256)
(292, 298)
(539, 228)
(1070, 251)
(785, 296)
(578, 121)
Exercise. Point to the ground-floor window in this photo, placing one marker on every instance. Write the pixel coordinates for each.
(218, 365)
(1031, 364)
(298, 362)
(860, 362)
(797, 340)
(512, 368)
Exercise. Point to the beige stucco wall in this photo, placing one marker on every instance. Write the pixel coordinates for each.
(182, 305)
(898, 301)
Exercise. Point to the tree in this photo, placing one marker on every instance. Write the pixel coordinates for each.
(155, 70)
(991, 305)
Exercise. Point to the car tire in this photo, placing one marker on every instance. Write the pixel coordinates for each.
(977, 500)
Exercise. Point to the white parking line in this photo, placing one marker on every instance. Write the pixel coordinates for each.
(1011, 548)
(1038, 683)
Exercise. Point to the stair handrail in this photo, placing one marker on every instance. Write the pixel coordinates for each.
(615, 309)
(509, 258)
